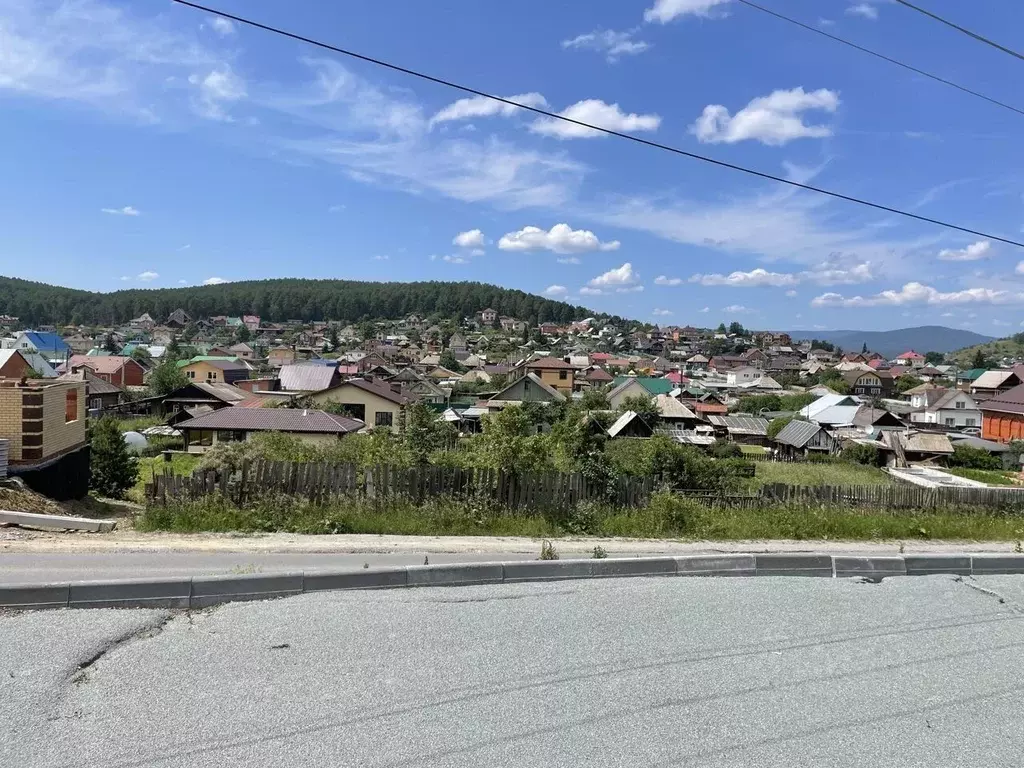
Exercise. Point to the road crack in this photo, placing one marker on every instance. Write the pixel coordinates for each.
(968, 581)
(144, 632)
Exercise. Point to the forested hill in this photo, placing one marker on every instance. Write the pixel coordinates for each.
(276, 300)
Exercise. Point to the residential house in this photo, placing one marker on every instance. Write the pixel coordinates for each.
(119, 370)
(512, 325)
(143, 322)
(100, 394)
(803, 438)
(751, 430)
(831, 410)
(756, 358)
(866, 383)
(211, 396)
(1002, 416)
(260, 384)
(743, 375)
(279, 356)
(914, 446)
(550, 329)
(952, 408)
(697, 363)
(964, 379)
(215, 370)
(991, 383)
(457, 343)
(45, 343)
(821, 355)
(487, 316)
(252, 322)
(911, 359)
(242, 351)
(179, 318)
(637, 386)
(723, 363)
(871, 419)
(597, 377)
(14, 365)
(553, 371)
(770, 338)
(527, 389)
(426, 391)
(784, 364)
(630, 424)
(675, 415)
(307, 378)
(231, 425)
(79, 343)
(44, 425)
(377, 403)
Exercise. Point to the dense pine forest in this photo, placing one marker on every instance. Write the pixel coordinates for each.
(275, 301)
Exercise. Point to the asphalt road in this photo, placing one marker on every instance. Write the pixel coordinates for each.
(919, 671)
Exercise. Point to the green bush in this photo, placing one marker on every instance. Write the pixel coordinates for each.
(862, 453)
(777, 425)
(725, 449)
(973, 458)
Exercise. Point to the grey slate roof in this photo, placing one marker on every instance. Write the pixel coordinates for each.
(797, 433)
(301, 377)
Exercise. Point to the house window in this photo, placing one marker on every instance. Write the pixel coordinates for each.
(202, 437)
(71, 406)
(211, 375)
(231, 436)
(383, 419)
(960, 404)
(950, 422)
(969, 423)
(190, 374)
(96, 403)
(563, 375)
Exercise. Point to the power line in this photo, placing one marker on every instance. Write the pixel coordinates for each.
(881, 56)
(580, 123)
(958, 28)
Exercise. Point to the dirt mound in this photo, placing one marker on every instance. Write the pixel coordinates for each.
(20, 499)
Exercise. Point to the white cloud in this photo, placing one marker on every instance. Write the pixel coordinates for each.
(569, 260)
(664, 11)
(222, 26)
(665, 280)
(705, 310)
(147, 276)
(125, 211)
(918, 293)
(594, 112)
(621, 279)
(661, 312)
(556, 290)
(455, 259)
(1020, 268)
(382, 257)
(561, 238)
(1000, 322)
(609, 42)
(830, 272)
(125, 277)
(864, 10)
(972, 252)
(754, 278)
(773, 120)
(216, 90)
(822, 22)
(184, 247)
(738, 309)
(588, 291)
(214, 281)
(473, 238)
(481, 106)
(948, 314)
(335, 208)
(791, 293)
(183, 282)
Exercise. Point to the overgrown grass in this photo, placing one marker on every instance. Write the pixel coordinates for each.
(813, 474)
(752, 450)
(990, 476)
(666, 517)
(180, 464)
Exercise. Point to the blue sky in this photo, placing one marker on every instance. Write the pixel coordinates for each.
(152, 145)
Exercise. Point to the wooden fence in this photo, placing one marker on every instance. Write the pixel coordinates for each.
(320, 481)
(895, 496)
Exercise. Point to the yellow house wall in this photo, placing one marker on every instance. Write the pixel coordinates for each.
(355, 396)
(58, 434)
(201, 369)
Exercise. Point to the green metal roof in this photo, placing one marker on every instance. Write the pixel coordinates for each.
(207, 358)
(656, 386)
(972, 374)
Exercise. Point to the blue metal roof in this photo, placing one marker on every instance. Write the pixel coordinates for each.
(47, 342)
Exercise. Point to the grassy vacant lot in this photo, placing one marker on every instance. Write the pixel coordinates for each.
(990, 476)
(138, 423)
(180, 464)
(810, 474)
(667, 517)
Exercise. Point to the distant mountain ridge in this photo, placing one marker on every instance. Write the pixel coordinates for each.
(923, 338)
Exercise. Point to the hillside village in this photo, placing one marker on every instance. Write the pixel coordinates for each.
(220, 379)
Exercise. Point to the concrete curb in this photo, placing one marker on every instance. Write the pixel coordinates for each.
(204, 591)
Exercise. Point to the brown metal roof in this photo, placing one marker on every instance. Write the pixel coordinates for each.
(1011, 401)
(548, 363)
(274, 420)
(379, 388)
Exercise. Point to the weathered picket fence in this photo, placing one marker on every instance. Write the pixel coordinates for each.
(320, 481)
(895, 496)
